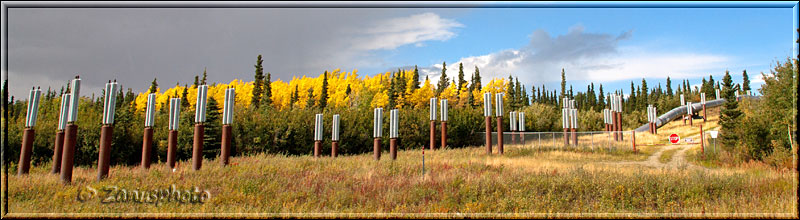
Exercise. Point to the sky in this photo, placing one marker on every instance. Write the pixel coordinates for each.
(609, 46)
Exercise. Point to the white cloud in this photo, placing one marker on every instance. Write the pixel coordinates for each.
(414, 29)
(584, 56)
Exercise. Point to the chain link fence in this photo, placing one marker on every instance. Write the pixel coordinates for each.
(586, 140)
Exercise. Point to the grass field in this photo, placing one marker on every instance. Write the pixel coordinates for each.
(524, 182)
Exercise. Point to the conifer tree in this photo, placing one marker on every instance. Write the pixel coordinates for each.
(266, 95)
(255, 100)
(153, 86)
(669, 87)
(461, 80)
(476, 80)
(414, 78)
(729, 119)
(323, 95)
(205, 76)
(745, 81)
(443, 82)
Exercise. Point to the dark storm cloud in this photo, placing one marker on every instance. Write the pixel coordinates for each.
(47, 47)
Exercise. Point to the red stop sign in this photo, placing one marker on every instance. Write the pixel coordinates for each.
(674, 138)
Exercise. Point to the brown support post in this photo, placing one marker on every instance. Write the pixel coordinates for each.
(566, 137)
(147, 146)
(57, 148)
(104, 159)
(172, 144)
(197, 148)
(702, 141)
(393, 148)
(513, 137)
(521, 138)
(317, 147)
(334, 146)
(500, 134)
(619, 126)
(433, 135)
(444, 134)
(225, 151)
(704, 113)
(68, 156)
(613, 126)
(691, 120)
(488, 135)
(25, 152)
(376, 148)
(633, 140)
(574, 137)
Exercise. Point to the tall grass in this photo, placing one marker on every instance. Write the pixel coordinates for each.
(457, 182)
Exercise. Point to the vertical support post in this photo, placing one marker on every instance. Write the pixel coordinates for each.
(432, 112)
(690, 112)
(377, 132)
(683, 103)
(225, 147)
(334, 135)
(197, 147)
(172, 151)
(25, 153)
(511, 124)
(521, 127)
(147, 142)
(444, 110)
(172, 140)
(71, 133)
(107, 130)
(499, 114)
(227, 120)
(147, 145)
(574, 126)
(57, 148)
(487, 114)
(394, 125)
(199, 127)
(702, 141)
(62, 124)
(633, 140)
(317, 134)
(29, 134)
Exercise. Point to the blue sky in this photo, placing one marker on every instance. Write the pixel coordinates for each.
(612, 46)
(742, 38)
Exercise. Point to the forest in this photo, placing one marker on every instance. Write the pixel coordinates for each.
(277, 117)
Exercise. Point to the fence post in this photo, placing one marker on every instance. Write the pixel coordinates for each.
(633, 140)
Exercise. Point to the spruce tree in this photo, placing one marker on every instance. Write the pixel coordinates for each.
(669, 87)
(563, 85)
(255, 100)
(476, 80)
(266, 94)
(415, 79)
(311, 101)
(443, 82)
(601, 98)
(461, 80)
(745, 81)
(153, 86)
(729, 119)
(323, 95)
(184, 97)
(512, 95)
(205, 76)
(196, 82)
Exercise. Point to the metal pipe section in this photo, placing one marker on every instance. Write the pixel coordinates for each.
(394, 125)
(499, 114)
(521, 127)
(335, 135)
(174, 113)
(689, 113)
(64, 112)
(33, 107)
(71, 132)
(110, 100)
(229, 103)
(199, 128)
(703, 102)
(565, 124)
(377, 132)
(680, 111)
